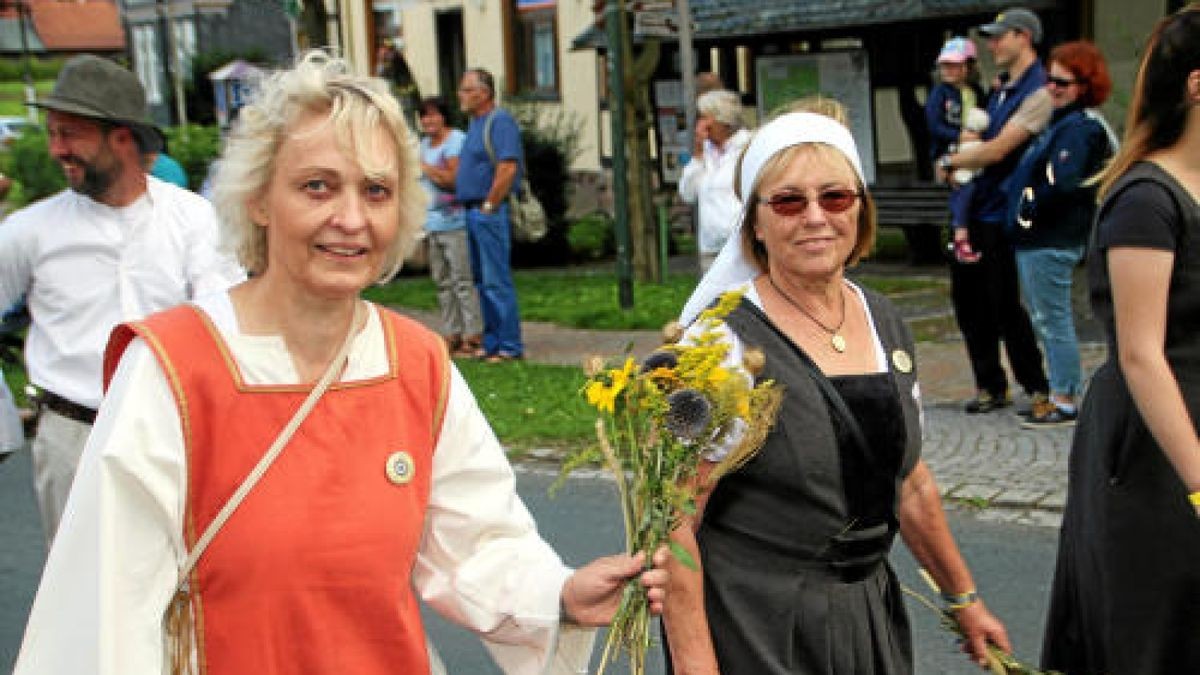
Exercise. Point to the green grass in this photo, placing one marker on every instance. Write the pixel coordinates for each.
(531, 405)
(587, 298)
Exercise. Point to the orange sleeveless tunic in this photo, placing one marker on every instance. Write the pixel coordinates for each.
(311, 574)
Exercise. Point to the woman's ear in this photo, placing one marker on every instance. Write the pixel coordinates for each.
(258, 212)
(1193, 87)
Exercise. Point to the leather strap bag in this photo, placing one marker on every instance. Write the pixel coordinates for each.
(526, 212)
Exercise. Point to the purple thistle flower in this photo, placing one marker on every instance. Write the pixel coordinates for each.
(688, 414)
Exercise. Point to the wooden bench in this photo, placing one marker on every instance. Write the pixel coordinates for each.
(921, 211)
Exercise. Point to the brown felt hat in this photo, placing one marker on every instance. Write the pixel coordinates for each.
(95, 87)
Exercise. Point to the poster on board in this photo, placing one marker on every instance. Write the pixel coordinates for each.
(671, 125)
(841, 75)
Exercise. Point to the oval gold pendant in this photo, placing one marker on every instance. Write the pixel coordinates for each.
(837, 342)
(902, 361)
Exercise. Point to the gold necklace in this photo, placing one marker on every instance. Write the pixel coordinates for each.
(836, 339)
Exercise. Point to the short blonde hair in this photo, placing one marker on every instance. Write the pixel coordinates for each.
(722, 105)
(867, 219)
(357, 105)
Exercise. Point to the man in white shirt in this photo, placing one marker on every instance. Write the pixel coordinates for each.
(116, 246)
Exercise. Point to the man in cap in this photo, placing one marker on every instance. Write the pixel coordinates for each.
(985, 293)
(116, 246)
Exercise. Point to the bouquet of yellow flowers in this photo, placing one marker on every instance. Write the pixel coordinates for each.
(656, 420)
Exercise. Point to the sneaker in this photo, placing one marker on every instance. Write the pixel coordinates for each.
(1038, 398)
(987, 402)
(1049, 415)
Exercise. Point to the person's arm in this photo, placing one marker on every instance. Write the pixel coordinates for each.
(1141, 281)
(483, 565)
(939, 129)
(1030, 119)
(209, 269)
(506, 171)
(685, 618)
(16, 260)
(1075, 157)
(444, 176)
(926, 533)
(113, 566)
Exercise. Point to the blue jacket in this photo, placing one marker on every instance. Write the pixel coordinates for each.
(1057, 211)
(944, 117)
(990, 201)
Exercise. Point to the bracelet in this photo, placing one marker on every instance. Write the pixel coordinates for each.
(1194, 498)
(957, 601)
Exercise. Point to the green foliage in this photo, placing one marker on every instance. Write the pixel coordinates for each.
(195, 152)
(12, 96)
(29, 164)
(551, 142)
(592, 237)
(13, 69)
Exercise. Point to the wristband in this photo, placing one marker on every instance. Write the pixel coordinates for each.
(957, 601)
(1194, 498)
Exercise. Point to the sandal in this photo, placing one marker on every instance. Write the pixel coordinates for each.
(501, 357)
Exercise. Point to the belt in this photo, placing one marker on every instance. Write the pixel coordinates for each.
(61, 406)
(471, 204)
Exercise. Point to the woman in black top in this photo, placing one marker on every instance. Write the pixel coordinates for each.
(1126, 595)
(794, 544)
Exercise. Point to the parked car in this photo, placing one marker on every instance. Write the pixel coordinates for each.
(11, 128)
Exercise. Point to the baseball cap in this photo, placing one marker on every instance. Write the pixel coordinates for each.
(1014, 18)
(956, 50)
(95, 87)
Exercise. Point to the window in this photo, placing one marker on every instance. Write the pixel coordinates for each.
(145, 49)
(536, 47)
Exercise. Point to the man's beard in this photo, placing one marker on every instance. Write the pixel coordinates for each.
(96, 181)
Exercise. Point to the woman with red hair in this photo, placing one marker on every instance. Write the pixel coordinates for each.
(1052, 203)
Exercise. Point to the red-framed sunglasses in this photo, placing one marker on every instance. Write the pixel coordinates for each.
(832, 200)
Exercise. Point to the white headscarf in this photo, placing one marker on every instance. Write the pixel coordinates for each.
(732, 268)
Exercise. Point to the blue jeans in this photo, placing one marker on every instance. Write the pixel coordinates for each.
(1046, 286)
(490, 244)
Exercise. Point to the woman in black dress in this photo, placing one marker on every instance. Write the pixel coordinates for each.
(794, 545)
(1126, 595)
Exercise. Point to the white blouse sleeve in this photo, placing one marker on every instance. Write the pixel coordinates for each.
(114, 562)
(482, 563)
(689, 179)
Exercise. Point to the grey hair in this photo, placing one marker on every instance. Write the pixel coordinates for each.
(722, 105)
(357, 105)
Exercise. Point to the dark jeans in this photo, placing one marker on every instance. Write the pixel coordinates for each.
(987, 305)
(490, 244)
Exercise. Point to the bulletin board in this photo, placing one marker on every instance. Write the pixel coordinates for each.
(841, 75)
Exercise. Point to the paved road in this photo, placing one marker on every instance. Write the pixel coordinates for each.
(1012, 563)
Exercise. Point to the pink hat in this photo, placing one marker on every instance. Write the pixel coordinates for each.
(956, 50)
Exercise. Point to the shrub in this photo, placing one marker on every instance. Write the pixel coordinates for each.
(196, 152)
(551, 142)
(13, 70)
(29, 164)
(591, 237)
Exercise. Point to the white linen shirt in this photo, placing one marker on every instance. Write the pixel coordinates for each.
(115, 562)
(85, 267)
(708, 181)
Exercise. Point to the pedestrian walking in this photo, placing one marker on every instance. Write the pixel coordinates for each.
(1052, 203)
(114, 246)
(490, 166)
(1124, 597)
(707, 179)
(446, 231)
(385, 486)
(985, 292)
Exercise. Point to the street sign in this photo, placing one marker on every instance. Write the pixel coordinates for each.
(656, 23)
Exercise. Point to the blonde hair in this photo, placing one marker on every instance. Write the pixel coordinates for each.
(357, 105)
(819, 104)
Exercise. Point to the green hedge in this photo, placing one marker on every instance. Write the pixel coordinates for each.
(35, 174)
(195, 152)
(13, 69)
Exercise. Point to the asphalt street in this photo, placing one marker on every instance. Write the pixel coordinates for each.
(1012, 564)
